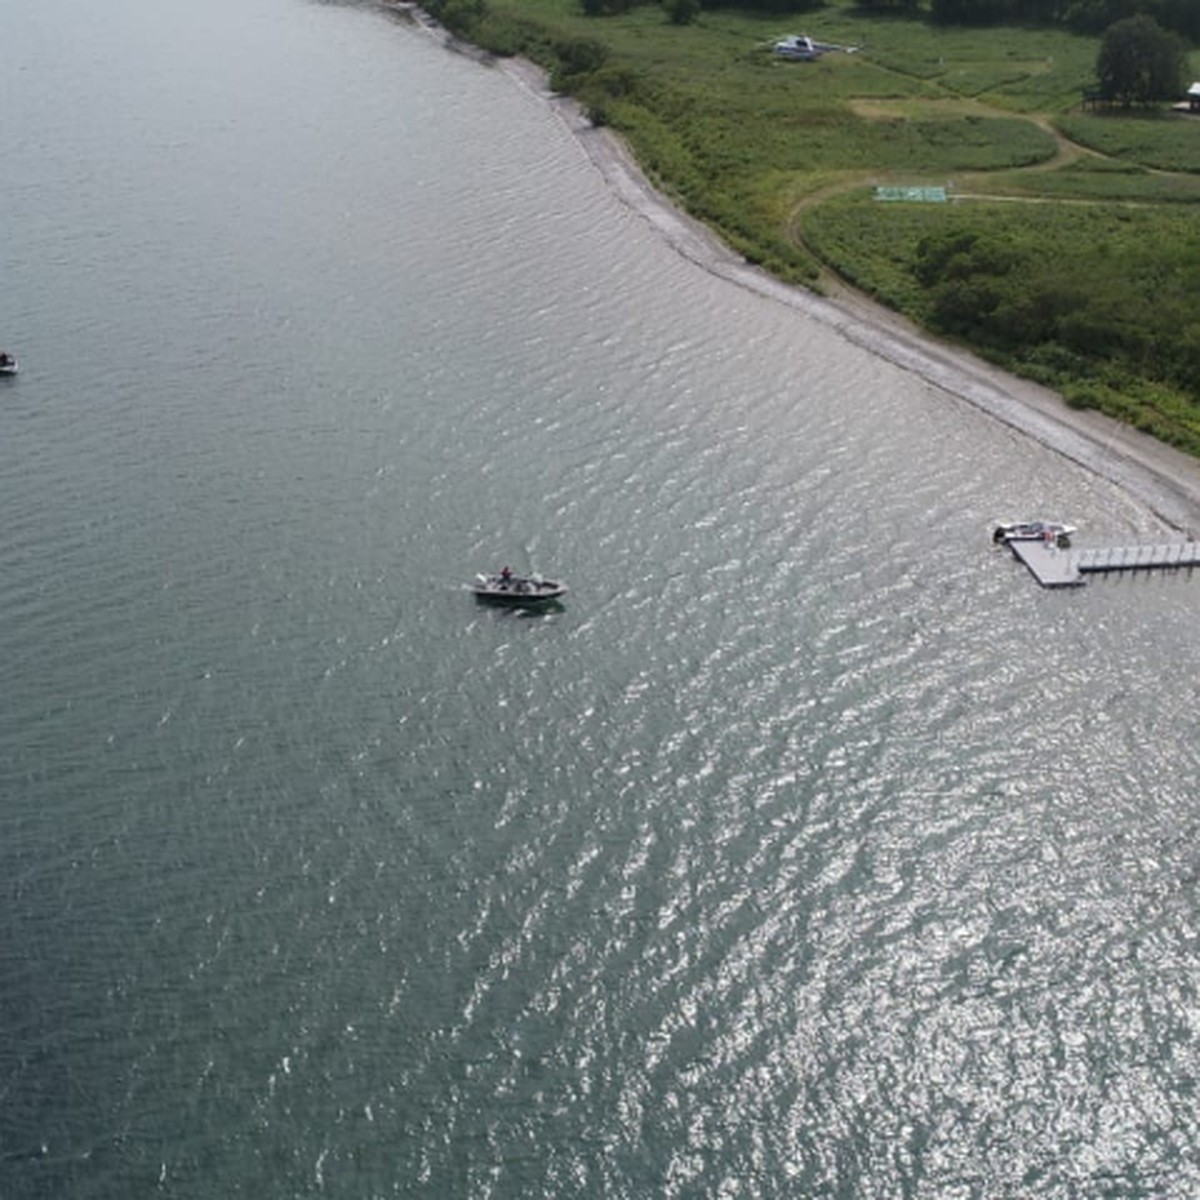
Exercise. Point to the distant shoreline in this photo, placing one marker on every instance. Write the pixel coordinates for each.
(1166, 480)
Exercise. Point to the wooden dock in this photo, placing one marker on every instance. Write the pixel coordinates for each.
(1052, 566)
(1169, 556)
(1049, 564)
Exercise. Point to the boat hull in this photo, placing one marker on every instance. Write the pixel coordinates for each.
(517, 592)
(1007, 532)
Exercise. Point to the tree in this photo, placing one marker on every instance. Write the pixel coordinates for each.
(605, 8)
(1181, 17)
(580, 56)
(971, 12)
(1095, 16)
(1140, 62)
(682, 12)
(459, 16)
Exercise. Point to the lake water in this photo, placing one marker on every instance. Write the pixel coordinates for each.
(807, 850)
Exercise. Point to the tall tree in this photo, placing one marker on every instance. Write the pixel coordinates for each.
(1140, 62)
(1182, 17)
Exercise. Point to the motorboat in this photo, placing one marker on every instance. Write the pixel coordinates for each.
(506, 588)
(8, 364)
(1054, 532)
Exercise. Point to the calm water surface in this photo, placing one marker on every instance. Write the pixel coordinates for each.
(807, 850)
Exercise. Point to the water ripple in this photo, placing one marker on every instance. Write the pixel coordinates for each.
(806, 849)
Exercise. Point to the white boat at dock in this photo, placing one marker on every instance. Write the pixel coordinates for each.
(1054, 532)
(1045, 548)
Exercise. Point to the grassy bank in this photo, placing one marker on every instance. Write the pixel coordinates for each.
(1069, 250)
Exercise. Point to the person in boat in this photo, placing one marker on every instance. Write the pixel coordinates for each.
(6, 359)
(506, 576)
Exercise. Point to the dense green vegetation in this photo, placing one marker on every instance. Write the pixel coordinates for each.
(1070, 250)
(1159, 140)
(1081, 16)
(1099, 300)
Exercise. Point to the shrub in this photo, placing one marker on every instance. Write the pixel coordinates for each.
(682, 12)
(614, 83)
(461, 16)
(605, 8)
(580, 56)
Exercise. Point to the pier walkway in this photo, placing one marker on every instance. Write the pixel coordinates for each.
(1053, 566)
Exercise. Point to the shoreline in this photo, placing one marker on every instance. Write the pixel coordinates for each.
(1166, 480)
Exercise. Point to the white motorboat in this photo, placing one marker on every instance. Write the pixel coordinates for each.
(506, 588)
(1054, 532)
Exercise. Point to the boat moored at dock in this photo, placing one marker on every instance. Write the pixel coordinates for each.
(1044, 547)
(1034, 531)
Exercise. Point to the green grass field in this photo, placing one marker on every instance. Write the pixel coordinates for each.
(1076, 260)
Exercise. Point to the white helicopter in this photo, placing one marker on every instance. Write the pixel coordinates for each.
(799, 47)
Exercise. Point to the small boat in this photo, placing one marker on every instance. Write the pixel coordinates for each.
(8, 364)
(1054, 532)
(506, 588)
